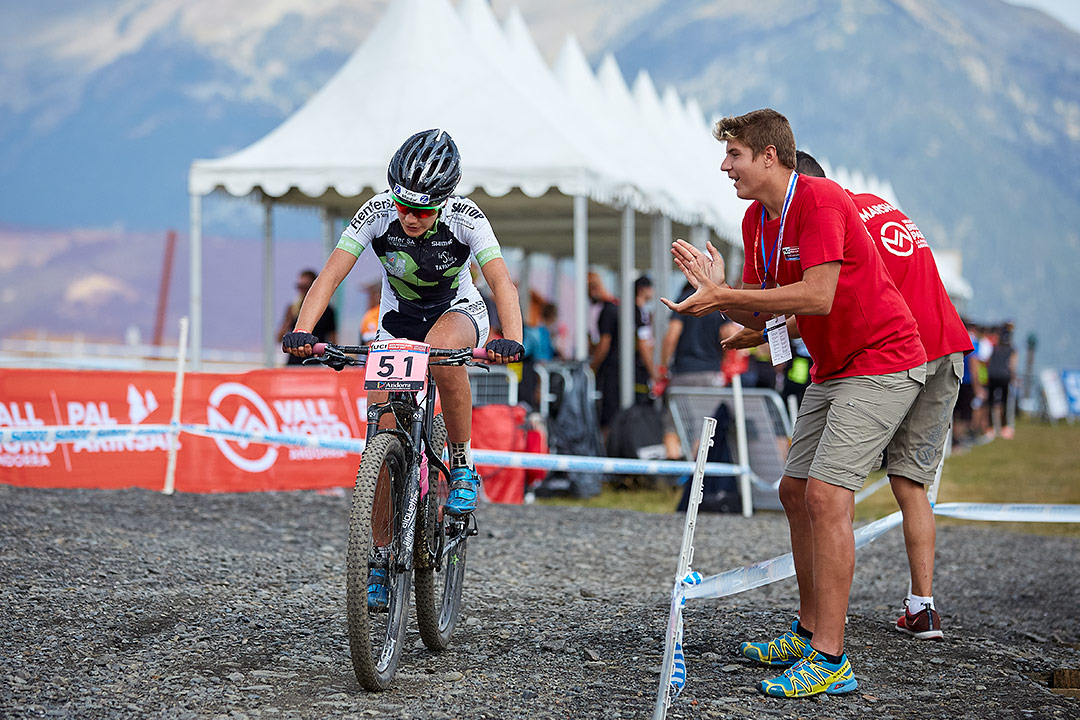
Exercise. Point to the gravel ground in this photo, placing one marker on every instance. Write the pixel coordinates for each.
(130, 604)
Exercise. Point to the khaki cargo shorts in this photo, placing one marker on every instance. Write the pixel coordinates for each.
(844, 424)
(918, 445)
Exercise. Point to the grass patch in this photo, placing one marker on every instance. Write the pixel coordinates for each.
(643, 499)
(1041, 465)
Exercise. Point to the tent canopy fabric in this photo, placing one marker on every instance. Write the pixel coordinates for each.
(526, 139)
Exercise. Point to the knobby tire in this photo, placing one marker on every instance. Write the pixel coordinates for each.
(438, 591)
(376, 638)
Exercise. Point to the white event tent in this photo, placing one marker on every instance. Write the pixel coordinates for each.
(562, 163)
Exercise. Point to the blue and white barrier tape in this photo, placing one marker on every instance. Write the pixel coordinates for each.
(531, 461)
(1012, 512)
(77, 433)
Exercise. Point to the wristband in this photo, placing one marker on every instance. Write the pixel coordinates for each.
(301, 330)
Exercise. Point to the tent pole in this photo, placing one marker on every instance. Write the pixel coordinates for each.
(195, 280)
(627, 331)
(661, 276)
(268, 282)
(581, 268)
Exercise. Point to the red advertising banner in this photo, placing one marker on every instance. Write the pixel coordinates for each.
(293, 401)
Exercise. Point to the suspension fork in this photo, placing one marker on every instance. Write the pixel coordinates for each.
(412, 492)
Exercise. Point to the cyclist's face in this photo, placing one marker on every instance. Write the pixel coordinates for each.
(415, 226)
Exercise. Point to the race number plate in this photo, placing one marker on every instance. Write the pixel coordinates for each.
(396, 365)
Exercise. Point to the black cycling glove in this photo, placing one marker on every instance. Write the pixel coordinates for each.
(505, 347)
(297, 339)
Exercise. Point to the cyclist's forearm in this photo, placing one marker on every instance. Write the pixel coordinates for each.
(507, 304)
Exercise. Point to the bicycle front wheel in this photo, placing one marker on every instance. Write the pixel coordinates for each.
(376, 634)
(439, 555)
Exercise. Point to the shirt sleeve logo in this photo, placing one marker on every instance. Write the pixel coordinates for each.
(896, 239)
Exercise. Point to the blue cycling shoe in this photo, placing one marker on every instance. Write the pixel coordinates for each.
(464, 483)
(378, 593)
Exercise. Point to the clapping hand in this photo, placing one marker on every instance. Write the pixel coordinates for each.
(705, 273)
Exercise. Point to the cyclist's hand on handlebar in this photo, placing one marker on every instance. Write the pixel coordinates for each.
(298, 343)
(503, 350)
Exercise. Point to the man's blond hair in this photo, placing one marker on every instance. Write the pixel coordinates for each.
(758, 130)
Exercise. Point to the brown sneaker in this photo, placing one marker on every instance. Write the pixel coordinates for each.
(923, 625)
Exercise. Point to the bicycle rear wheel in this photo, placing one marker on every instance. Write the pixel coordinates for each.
(376, 636)
(439, 555)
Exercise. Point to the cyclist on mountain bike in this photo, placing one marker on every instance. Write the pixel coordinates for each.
(425, 239)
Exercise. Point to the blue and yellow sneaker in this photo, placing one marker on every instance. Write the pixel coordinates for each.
(812, 675)
(378, 592)
(463, 486)
(784, 651)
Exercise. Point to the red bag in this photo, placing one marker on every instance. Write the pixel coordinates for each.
(500, 427)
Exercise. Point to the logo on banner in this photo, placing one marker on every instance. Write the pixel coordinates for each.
(236, 407)
(251, 415)
(140, 405)
(23, 454)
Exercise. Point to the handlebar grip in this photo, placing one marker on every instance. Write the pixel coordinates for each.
(480, 354)
(318, 349)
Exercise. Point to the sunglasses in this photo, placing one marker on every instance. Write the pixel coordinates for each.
(420, 213)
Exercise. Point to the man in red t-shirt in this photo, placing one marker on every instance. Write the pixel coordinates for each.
(917, 450)
(809, 255)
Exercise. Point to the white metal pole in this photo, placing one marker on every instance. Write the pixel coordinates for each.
(686, 556)
(581, 269)
(269, 354)
(627, 333)
(661, 276)
(741, 446)
(178, 401)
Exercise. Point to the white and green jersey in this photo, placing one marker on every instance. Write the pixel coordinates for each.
(429, 272)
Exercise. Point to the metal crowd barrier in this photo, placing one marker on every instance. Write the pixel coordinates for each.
(768, 429)
(493, 385)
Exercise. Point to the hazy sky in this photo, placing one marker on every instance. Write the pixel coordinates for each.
(1067, 11)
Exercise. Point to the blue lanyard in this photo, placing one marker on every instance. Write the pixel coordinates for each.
(780, 238)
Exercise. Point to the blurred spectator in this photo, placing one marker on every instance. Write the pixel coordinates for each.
(691, 355)
(970, 394)
(325, 329)
(605, 349)
(539, 348)
(1000, 372)
(605, 353)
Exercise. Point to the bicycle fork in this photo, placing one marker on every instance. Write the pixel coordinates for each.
(412, 495)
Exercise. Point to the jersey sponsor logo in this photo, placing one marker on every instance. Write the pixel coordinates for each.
(467, 209)
(791, 253)
(413, 197)
(902, 239)
(872, 211)
(369, 212)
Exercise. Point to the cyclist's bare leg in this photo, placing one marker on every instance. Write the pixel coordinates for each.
(454, 330)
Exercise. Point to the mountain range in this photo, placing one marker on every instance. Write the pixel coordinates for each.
(969, 108)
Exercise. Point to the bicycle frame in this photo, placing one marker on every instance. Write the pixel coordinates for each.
(405, 408)
(420, 415)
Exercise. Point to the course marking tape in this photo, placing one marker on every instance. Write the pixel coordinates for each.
(531, 461)
(76, 433)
